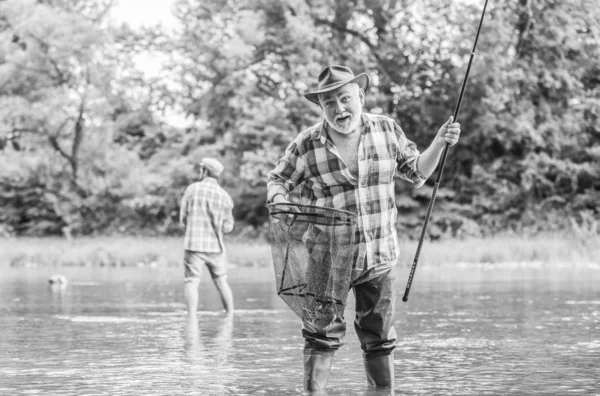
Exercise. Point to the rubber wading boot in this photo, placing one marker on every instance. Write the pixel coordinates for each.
(380, 371)
(317, 365)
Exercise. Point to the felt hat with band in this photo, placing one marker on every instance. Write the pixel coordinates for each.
(334, 77)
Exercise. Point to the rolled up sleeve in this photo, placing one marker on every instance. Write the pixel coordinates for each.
(228, 223)
(408, 156)
(183, 208)
(287, 174)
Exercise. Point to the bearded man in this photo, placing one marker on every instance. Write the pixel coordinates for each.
(349, 161)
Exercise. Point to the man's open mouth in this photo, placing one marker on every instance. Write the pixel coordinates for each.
(342, 120)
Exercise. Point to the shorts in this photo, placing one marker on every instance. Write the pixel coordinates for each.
(195, 261)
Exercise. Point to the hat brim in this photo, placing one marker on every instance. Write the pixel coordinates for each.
(362, 80)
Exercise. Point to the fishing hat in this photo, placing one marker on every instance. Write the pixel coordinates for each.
(334, 77)
(212, 165)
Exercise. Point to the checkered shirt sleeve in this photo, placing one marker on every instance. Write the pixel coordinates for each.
(312, 162)
(206, 212)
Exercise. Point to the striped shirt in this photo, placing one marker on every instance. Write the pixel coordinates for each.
(206, 212)
(313, 161)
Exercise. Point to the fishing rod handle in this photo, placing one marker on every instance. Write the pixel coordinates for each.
(421, 239)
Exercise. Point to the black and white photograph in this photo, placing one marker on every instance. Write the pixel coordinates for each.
(299, 197)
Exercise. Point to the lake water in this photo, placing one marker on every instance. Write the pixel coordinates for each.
(521, 329)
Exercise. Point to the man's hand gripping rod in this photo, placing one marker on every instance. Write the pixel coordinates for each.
(443, 162)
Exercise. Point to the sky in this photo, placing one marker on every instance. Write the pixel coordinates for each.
(138, 13)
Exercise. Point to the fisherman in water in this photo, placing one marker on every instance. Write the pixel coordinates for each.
(348, 161)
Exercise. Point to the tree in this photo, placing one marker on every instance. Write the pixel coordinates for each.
(61, 108)
(537, 128)
(85, 136)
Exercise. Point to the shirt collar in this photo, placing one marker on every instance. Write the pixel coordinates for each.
(209, 179)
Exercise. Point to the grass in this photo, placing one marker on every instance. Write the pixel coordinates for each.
(116, 251)
(155, 252)
(509, 249)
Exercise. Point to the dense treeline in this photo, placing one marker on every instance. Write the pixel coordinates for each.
(88, 145)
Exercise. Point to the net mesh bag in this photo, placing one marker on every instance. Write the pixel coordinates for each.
(313, 252)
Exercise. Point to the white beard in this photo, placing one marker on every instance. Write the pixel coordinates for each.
(347, 127)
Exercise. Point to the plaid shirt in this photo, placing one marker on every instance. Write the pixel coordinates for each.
(206, 212)
(383, 152)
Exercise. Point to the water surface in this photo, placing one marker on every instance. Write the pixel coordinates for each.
(467, 330)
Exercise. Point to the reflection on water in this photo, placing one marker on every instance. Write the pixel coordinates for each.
(208, 352)
(466, 331)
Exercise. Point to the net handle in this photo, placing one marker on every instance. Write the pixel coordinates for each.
(294, 215)
(275, 208)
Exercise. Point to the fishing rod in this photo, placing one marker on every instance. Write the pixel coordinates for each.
(442, 164)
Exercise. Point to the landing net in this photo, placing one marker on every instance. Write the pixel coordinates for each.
(313, 251)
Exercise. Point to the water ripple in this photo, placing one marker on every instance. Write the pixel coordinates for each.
(537, 336)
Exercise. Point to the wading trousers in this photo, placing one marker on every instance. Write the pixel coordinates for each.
(375, 306)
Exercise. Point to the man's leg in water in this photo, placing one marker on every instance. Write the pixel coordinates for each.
(374, 324)
(217, 265)
(193, 267)
(191, 296)
(225, 293)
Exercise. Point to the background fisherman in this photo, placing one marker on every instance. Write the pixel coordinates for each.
(206, 213)
(349, 161)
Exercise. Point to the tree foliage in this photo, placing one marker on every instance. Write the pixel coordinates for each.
(87, 146)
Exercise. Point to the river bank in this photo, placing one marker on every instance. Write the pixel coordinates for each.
(129, 251)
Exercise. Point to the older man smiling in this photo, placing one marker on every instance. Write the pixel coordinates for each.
(349, 161)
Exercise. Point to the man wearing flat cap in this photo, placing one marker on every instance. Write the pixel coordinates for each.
(349, 161)
(206, 213)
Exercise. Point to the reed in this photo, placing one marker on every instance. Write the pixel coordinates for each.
(553, 248)
(133, 251)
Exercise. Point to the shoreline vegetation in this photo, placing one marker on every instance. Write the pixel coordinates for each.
(152, 252)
